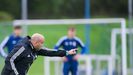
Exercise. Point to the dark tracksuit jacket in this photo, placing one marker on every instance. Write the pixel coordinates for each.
(23, 55)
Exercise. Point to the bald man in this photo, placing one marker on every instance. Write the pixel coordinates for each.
(26, 51)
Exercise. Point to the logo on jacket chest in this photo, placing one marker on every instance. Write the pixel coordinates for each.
(71, 43)
(33, 56)
(14, 42)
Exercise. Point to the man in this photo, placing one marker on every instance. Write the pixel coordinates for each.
(25, 52)
(11, 41)
(67, 43)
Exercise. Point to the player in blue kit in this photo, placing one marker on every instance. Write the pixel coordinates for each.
(10, 41)
(67, 43)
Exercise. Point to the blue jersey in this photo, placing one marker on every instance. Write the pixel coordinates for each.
(9, 42)
(70, 43)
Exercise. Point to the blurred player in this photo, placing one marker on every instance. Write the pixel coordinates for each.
(67, 43)
(11, 40)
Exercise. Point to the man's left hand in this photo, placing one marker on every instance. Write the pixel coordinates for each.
(72, 51)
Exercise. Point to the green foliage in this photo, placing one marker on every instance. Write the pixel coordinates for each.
(65, 8)
(5, 16)
(112, 8)
(11, 6)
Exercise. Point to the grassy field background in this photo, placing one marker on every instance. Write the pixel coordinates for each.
(99, 40)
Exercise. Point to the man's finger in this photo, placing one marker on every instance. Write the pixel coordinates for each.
(75, 49)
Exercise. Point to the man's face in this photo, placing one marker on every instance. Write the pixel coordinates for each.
(38, 45)
(17, 32)
(71, 33)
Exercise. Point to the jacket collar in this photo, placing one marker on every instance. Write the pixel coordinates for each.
(31, 45)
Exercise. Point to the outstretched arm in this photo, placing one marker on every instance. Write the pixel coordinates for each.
(59, 53)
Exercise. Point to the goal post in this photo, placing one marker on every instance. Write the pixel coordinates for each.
(114, 34)
(121, 21)
(88, 59)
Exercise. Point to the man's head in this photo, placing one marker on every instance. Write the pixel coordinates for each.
(17, 30)
(71, 32)
(37, 40)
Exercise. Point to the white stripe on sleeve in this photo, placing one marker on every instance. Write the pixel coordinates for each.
(14, 57)
(2, 46)
(60, 41)
(80, 42)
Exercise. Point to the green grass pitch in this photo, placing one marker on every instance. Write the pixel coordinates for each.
(99, 36)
